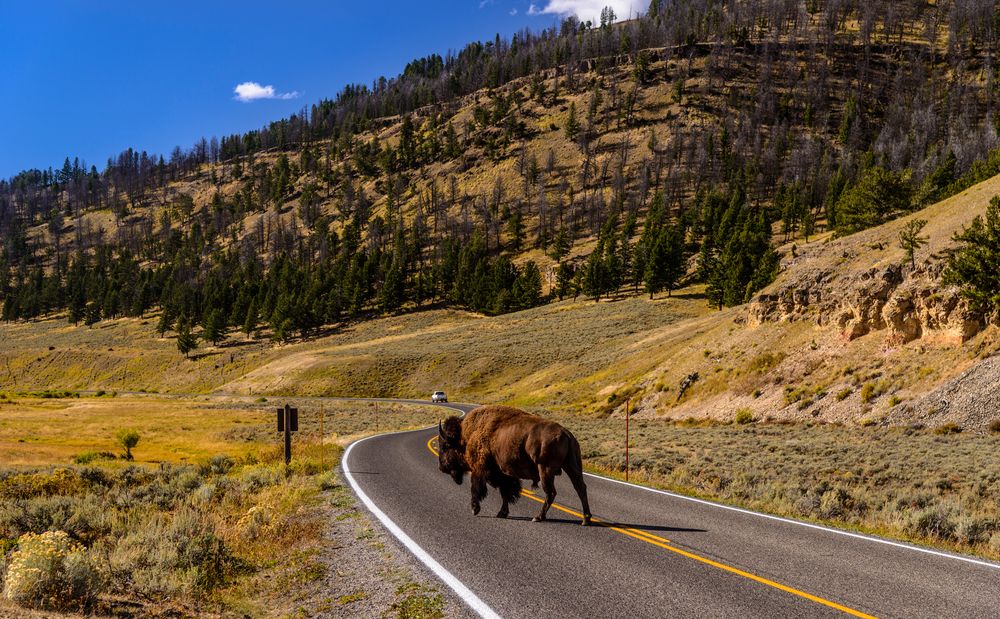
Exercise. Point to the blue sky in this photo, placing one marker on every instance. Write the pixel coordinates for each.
(90, 79)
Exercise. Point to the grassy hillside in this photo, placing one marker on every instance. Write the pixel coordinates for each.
(552, 161)
(586, 357)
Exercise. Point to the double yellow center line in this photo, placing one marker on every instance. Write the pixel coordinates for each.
(665, 544)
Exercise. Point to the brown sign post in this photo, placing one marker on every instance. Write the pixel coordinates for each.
(288, 422)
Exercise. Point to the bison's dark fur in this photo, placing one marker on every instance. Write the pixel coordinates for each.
(501, 445)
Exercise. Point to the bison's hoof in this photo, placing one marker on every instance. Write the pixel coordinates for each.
(475, 510)
(586, 521)
(537, 519)
(502, 513)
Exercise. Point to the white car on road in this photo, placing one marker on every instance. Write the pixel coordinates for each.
(439, 396)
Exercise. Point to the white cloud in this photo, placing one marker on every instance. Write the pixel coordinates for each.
(251, 91)
(590, 9)
(513, 11)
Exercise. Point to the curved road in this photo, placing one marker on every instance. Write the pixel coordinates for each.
(654, 554)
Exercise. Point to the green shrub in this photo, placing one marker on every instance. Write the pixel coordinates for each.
(894, 400)
(128, 439)
(50, 571)
(60, 481)
(948, 428)
(844, 394)
(793, 394)
(868, 392)
(88, 457)
(217, 465)
(743, 416)
(934, 523)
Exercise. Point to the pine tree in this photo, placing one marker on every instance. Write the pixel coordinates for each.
(564, 280)
(593, 275)
(92, 314)
(407, 143)
(572, 128)
(656, 266)
(452, 149)
(250, 322)
(910, 240)
(878, 195)
(186, 341)
(391, 293)
(214, 326)
(528, 287)
(166, 321)
(975, 265)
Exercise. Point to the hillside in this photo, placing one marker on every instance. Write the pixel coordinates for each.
(693, 156)
(802, 350)
(606, 159)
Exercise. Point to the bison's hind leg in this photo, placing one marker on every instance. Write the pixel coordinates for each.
(549, 486)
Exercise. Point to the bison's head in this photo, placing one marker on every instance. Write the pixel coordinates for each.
(451, 452)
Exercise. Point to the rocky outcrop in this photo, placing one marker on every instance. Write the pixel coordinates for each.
(907, 305)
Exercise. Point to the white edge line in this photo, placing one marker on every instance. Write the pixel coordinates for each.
(470, 598)
(800, 523)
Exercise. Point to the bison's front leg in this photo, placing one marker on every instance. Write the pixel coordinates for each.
(478, 492)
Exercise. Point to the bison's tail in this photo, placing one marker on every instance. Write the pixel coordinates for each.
(574, 459)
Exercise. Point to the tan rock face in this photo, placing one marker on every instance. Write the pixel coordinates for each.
(907, 305)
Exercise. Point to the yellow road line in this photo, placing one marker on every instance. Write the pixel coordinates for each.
(663, 543)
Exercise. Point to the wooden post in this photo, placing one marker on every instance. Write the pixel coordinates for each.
(288, 434)
(626, 437)
(376, 416)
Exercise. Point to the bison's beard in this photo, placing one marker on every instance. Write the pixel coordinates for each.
(453, 464)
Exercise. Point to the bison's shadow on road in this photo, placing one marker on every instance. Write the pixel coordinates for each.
(624, 525)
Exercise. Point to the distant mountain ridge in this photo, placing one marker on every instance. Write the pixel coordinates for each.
(684, 145)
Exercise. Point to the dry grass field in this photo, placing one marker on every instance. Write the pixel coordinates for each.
(47, 431)
(205, 521)
(930, 486)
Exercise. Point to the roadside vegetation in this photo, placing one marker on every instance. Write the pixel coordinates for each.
(934, 486)
(142, 523)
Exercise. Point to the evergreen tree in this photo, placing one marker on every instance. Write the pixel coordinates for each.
(572, 128)
(594, 277)
(214, 326)
(251, 320)
(910, 239)
(92, 315)
(407, 149)
(564, 280)
(975, 265)
(528, 286)
(392, 291)
(166, 321)
(186, 341)
(878, 195)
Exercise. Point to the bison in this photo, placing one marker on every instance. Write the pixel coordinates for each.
(501, 445)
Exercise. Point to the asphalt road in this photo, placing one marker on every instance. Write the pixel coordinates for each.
(655, 555)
